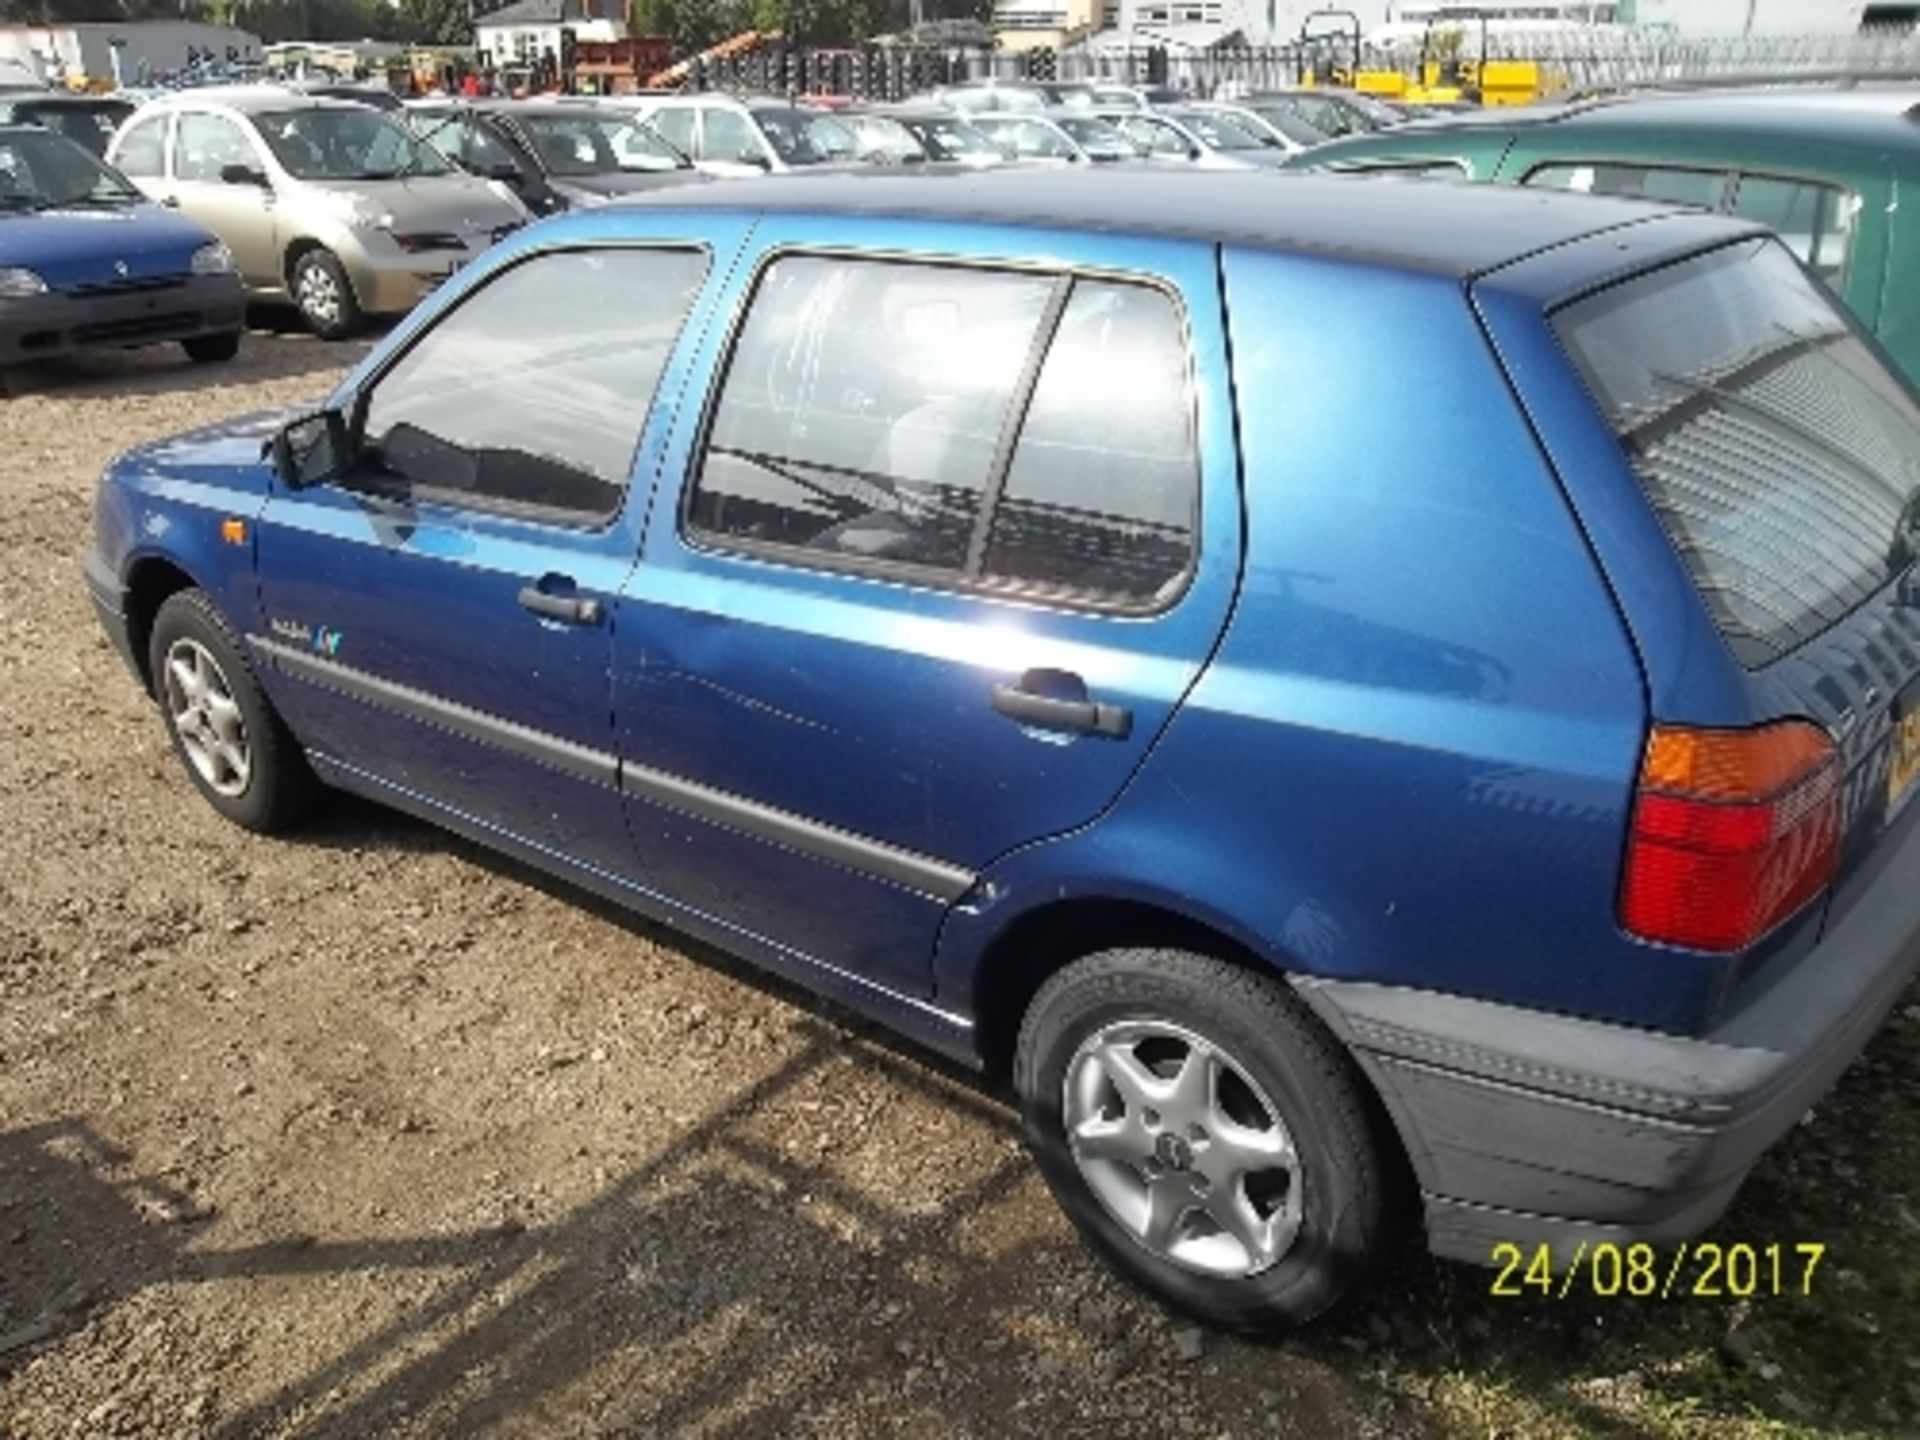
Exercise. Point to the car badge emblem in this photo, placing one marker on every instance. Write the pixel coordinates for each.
(120, 268)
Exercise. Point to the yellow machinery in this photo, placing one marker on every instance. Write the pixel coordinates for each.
(1443, 76)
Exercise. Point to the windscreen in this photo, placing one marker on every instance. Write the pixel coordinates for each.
(43, 171)
(1780, 453)
(345, 143)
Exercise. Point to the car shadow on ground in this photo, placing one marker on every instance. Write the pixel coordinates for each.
(726, 1285)
(1591, 1363)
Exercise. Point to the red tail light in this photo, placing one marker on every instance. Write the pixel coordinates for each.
(1733, 832)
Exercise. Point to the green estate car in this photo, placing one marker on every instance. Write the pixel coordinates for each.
(1826, 168)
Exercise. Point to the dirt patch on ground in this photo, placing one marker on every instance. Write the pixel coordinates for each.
(369, 1132)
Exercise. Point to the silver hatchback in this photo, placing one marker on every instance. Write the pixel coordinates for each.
(325, 203)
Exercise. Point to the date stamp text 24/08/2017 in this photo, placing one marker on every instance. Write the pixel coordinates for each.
(1700, 1270)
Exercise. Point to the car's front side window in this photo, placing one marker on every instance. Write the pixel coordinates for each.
(204, 145)
(726, 135)
(531, 395)
(142, 150)
(675, 126)
(1815, 220)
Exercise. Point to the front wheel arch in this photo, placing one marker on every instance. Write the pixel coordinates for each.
(150, 581)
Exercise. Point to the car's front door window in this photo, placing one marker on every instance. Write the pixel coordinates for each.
(142, 152)
(726, 136)
(530, 397)
(204, 145)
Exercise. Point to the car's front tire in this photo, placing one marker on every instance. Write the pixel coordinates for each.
(236, 749)
(212, 349)
(324, 294)
(1210, 1139)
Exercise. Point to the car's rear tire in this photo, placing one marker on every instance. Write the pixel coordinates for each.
(212, 349)
(1210, 1139)
(234, 746)
(324, 295)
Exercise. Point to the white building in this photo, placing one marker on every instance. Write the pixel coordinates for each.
(57, 53)
(522, 32)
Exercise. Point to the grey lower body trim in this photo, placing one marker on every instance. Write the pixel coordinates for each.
(109, 598)
(907, 869)
(944, 1030)
(596, 767)
(1576, 1124)
(904, 868)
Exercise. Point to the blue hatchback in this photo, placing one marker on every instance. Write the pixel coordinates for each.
(87, 262)
(1062, 616)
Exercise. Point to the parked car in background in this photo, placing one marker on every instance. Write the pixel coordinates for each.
(1277, 130)
(1049, 139)
(941, 134)
(727, 136)
(553, 154)
(1000, 97)
(882, 138)
(88, 120)
(1332, 112)
(332, 205)
(1186, 135)
(88, 262)
(1825, 168)
(380, 97)
(913, 587)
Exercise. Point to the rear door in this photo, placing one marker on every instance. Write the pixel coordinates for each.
(936, 555)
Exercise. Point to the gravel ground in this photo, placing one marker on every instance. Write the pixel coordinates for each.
(368, 1132)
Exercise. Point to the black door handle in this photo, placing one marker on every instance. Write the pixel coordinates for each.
(571, 609)
(1027, 703)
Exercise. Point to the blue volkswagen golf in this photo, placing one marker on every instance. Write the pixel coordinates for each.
(1335, 780)
(87, 262)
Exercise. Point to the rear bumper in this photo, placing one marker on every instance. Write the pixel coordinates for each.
(1539, 1129)
(109, 598)
(41, 326)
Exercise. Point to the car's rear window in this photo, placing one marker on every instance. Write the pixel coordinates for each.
(1781, 455)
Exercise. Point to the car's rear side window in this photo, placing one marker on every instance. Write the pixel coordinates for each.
(1100, 495)
(1671, 183)
(990, 429)
(1780, 454)
(1814, 218)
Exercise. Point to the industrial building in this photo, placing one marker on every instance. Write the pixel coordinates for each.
(127, 52)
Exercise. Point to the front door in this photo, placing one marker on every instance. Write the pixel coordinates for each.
(946, 549)
(239, 213)
(440, 621)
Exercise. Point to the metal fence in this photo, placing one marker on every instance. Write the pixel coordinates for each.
(1596, 60)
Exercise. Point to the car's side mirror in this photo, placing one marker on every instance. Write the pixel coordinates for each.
(310, 450)
(506, 170)
(244, 175)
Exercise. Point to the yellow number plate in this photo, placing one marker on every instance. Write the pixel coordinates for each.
(1904, 768)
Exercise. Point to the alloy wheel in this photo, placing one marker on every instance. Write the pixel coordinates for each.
(206, 717)
(1183, 1148)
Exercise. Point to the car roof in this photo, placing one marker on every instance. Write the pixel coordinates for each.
(1434, 227)
(57, 98)
(1875, 115)
(251, 99)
